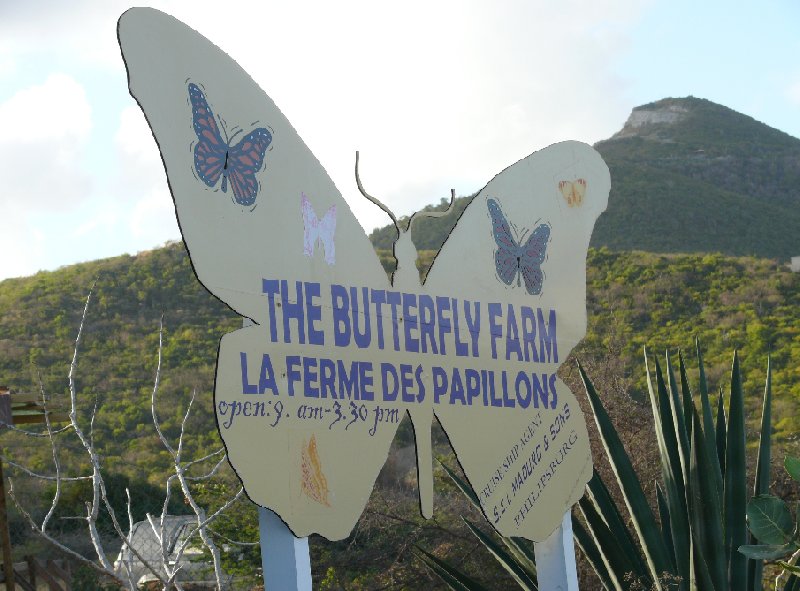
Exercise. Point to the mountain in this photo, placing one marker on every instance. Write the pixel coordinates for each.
(687, 175)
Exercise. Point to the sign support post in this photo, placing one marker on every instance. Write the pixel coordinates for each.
(555, 559)
(285, 559)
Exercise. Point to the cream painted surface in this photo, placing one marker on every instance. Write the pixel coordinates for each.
(291, 453)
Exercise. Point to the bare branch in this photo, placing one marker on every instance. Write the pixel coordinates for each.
(57, 495)
(211, 473)
(56, 543)
(36, 433)
(234, 542)
(30, 472)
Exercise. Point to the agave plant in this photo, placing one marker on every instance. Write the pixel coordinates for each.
(701, 503)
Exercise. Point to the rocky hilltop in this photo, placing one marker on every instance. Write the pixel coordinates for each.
(688, 175)
(643, 117)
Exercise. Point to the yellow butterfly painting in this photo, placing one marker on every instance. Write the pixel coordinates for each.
(573, 191)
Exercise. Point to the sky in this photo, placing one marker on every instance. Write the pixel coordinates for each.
(435, 94)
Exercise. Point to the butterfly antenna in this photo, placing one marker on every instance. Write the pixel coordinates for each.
(374, 200)
(434, 214)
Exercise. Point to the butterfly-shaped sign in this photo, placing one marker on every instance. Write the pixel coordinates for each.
(308, 398)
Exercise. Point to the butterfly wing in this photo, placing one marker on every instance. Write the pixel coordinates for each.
(327, 232)
(533, 254)
(210, 151)
(510, 437)
(579, 190)
(240, 254)
(573, 191)
(245, 159)
(310, 226)
(507, 255)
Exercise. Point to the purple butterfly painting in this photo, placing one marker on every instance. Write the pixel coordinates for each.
(513, 259)
(215, 157)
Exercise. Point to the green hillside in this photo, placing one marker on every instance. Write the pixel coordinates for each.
(633, 299)
(39, 320)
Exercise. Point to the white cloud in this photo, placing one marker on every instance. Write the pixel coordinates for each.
(102, 221)
(153, 219)
(82, 32)
(24, 244)
(45, 128)
(8, 64)
(52, 110)
(139, 164)
(793, 92)
(142, 183)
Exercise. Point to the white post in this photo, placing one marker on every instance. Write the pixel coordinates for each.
(555, 559)
(285, 560)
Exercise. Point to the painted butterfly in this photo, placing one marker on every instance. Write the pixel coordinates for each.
(318, 230)
(573, 191)
(513, 259)
(215, 157)
(308, 399)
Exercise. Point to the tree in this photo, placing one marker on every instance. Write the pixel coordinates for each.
(167, 567)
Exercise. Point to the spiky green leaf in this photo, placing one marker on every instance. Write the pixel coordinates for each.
(663, 513)
(600, 496)
(665, 417)
(656, 554)
(755, 568)
(613, 552)
(735, 498)
(454, 578)
(709, 560)
(517, 546)
(463, 486)
(792, 583)
(592, 552)
(686, 394)
(525, 579)
(708, 425)
(722, 435)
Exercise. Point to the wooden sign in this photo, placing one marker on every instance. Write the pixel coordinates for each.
(309, 398)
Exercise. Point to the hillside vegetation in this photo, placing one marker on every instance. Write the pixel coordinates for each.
(664, 301)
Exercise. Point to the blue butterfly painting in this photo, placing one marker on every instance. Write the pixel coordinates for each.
(214, 157)
(513, 259)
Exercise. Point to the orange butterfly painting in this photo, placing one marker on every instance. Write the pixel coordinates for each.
(573, 191)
